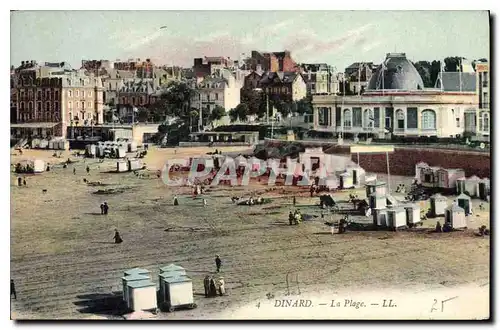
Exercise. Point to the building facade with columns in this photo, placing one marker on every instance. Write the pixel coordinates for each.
(395, 103)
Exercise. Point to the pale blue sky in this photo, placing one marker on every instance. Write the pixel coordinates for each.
(335, 37)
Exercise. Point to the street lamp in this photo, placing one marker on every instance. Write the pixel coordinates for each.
(260, 90)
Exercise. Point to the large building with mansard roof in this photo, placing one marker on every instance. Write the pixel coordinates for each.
(396, 103)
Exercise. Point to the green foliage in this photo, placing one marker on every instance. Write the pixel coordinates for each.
(240, 112)
(452, 63)
(255, 100)
(303, 106)
(143, 115)
(176, 100)
(424, 68)
(217, 113)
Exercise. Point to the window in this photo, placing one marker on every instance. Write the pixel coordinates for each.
(89, 105)
(376, 117)
(70, 93)
(47, 106)
(77, 105)
(56, 93)
(39, 106)
(323, 116)
(338, 120)
(47, 94)
(368, 118)
(357, 120)
(83, 94)
(484, 122)
(458, 122)
(76, 93)
(388, 117)
(412, 118)
(400, 119)
(347, 118)
(428, 120)
(70, 105)
(39, 95)
(216, 96)
(30, 106)
(83, 105)
(56, 106)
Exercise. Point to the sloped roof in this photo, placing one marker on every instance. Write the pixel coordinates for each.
(280, 77)
(455, 208)
(451, 81)
(209, 82)
(138, 86)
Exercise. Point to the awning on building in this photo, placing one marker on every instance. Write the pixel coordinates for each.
(34, 125)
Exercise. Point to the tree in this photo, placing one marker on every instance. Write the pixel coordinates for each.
(303, 106)
(217, 113)
(192, 114)
(424, 68)
(240, 112)
(233, 114)
(243, 111)
(177, 99)
(255, 100)
(452, 63)
(143, 115)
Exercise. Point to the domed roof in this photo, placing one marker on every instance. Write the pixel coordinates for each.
(399, 73)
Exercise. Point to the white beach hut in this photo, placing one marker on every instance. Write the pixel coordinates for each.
(378, 200)
(396, 217)
(132, 146)
(134, 164)
(438, 204)
(130, 279)
(472, 186)
(141, 296)
(121, 166)
(178, 293)
(375, 186)
(464, 202)
(412, 213)
(380, 217)
(456, 216)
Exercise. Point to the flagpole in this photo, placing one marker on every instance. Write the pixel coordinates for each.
(460, 73)
(359, 79)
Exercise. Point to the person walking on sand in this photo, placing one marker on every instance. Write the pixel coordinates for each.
(13, 289)
(176, 202)
(74, 171)
(19, 181)
(294, 201)
(102, 208)
(222, 288)
(213, 288)
(88, 169)
(24, 182)
(218, 263)
(117, 237)
(206, 284)
(105, 207)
